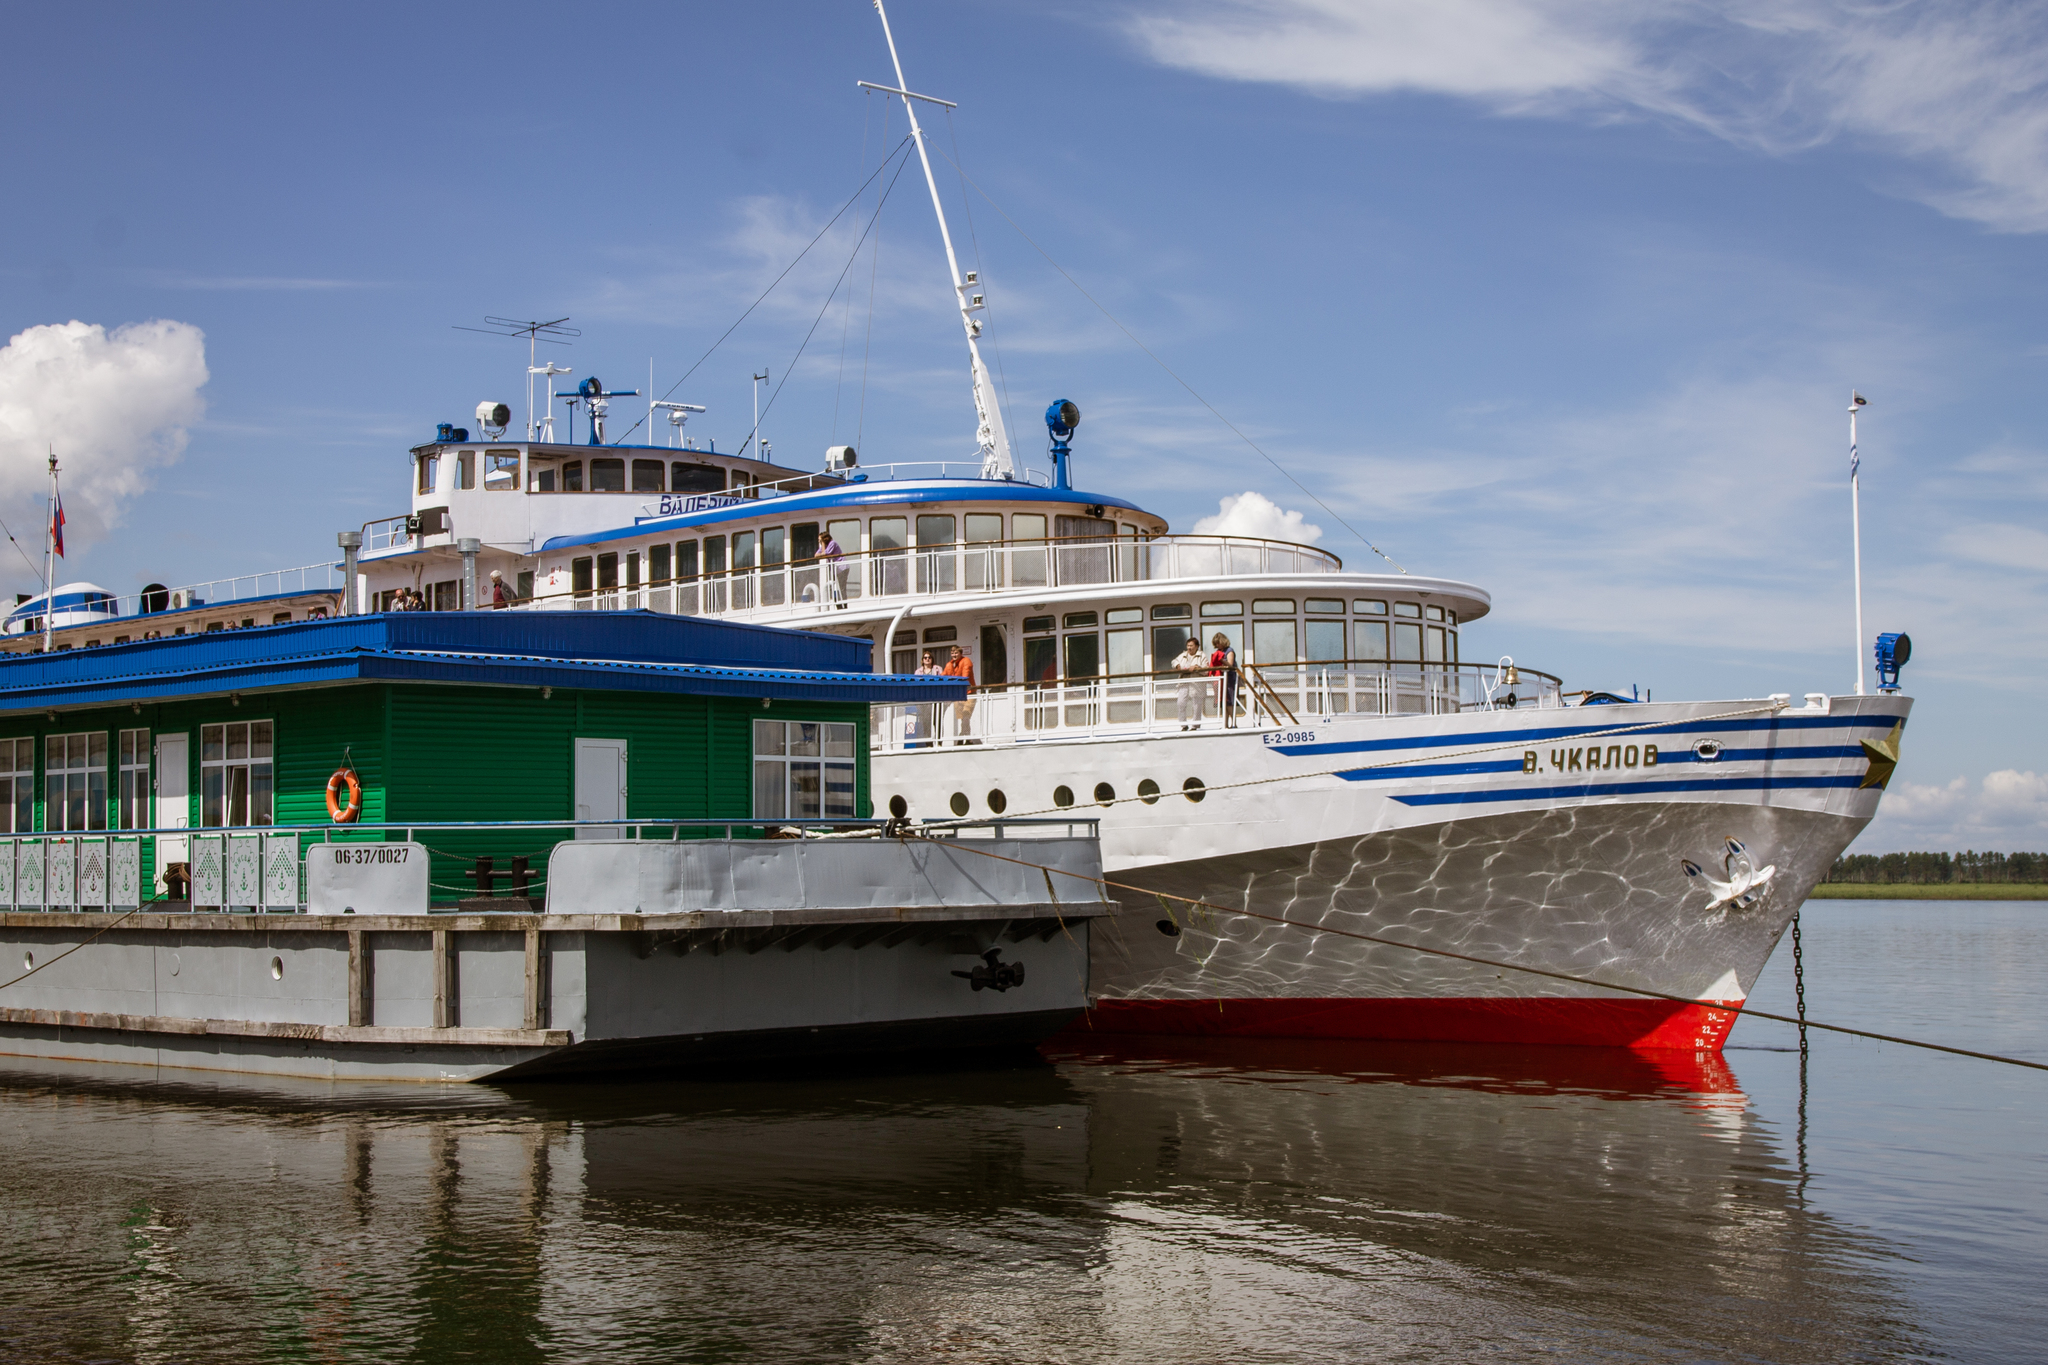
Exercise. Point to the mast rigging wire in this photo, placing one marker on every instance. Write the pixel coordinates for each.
(1306, 490)
(771, 285)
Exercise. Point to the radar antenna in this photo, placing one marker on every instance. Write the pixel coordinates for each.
(967, 289)
(535, 332)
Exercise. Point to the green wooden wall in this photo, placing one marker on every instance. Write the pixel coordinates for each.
(441, 753)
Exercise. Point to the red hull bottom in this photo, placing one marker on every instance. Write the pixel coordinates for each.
(1600, 1022)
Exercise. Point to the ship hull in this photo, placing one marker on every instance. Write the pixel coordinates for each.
(1413, 867)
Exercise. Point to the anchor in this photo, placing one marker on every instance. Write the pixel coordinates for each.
(994, 973)
(1746, 884)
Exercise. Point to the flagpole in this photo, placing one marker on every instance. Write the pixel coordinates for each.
(1856, 400)
(50, 553)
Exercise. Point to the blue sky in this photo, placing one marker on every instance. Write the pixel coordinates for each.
(1562, 298)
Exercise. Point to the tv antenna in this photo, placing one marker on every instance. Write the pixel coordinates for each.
(555, 333)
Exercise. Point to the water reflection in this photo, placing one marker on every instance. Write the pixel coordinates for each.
(1198, 1201)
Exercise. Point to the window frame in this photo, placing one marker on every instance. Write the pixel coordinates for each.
(212, 803)
(805, 776)
(59, 780)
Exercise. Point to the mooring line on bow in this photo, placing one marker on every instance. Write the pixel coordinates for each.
(1801, 1022)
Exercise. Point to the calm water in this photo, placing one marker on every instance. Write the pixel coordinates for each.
(1231, 1203)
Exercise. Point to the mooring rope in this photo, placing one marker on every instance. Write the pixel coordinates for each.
(82, 943)
(1801, 1020)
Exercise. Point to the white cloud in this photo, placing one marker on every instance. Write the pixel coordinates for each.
(1254, 514)
(2012, 547)
(114, 405)
(2007, 811)
(1961, 88)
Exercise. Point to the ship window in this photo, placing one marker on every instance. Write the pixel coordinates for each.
(1104, 793)
(1041, 659)
(607, 476)
(465, 469)
(1325, 641)
(847, 533)
(803, 541)
(448, 595)
(501, 471)
(1433, 644)
(572, 476)
(1273, 606)
(632, 568)
(1078, 619)
(580, 581)
(525, 585)
(132, 796)
(1063, 797)
(1408, 643)
(1172, 611)
(1273, 642)
(235, 773)
(935, 530)
(647, 476)
(686, 559)
(743, 549)
(714, 554)
(1369, 640)
(607, 572)
(1167, 642)
(888, 533)
(430, 471)
(18, 785)
(657, 564)
(1366, 608)
(75, 781)
(1126, 653)
(774, 539)
(684, 477)
(1222, 608)
(1033, 624)
(1123, 616)
(942, 635)
(1333, 606)
(543, 480)
(983, 527)
(1407, 609)
(1084, 655)
(1435, 613)
(803, 770)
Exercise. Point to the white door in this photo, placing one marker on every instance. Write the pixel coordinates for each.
(173, 808)
(600, 785)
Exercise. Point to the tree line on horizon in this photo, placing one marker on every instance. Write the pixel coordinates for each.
(1935, 869)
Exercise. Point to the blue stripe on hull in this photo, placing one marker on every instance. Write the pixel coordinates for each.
(1877, 723)
(1848, 781)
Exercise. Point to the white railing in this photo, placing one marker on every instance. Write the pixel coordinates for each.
(223, 591)
(957, 569)
(1268, 697)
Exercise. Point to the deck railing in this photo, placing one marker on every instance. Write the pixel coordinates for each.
(262, 869)
(807, 587)
(1266, 696)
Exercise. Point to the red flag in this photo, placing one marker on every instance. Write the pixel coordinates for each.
(57, 528)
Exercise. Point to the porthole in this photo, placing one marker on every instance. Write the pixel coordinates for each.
(1104, 793)
(28, 962)
(959, 803)
(277, 969)
(1707, 750)
(1193, 789)
(898, 807)
(1169, 928)
(1148, 792)
(998, 802)
(1063, 797)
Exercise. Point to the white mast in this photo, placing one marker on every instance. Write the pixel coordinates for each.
(994, 441)
(50, 554)
(1856, 400)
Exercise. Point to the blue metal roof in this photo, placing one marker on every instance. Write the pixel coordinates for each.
(632, 651)
(853, 495)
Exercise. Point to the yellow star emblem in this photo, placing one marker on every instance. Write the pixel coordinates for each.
(1884, 757)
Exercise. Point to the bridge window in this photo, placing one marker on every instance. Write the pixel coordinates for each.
(501, 471)
(1369, 640)
(1326, 605)
(1172, 611)
(1365, 608)
(1223, 608)
(684, 477)
(1407, 609)
(465, 469)
(647, 476)
(607, 476)
(572, 476)
(430, 471)
(542, 478)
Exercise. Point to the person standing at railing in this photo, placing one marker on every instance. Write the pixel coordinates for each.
(960, 666)
(500, 599)
(921, 719)
(1188, 703)
(1223, 665)
(835, 561)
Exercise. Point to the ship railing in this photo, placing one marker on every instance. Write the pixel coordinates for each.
(222, 591)
(386, 533)
(474, 866)
(1262, 697)
(806, 587)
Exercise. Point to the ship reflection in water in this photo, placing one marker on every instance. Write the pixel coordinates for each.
(1184, 1201)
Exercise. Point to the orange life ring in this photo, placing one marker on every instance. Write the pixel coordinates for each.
(344, 815)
